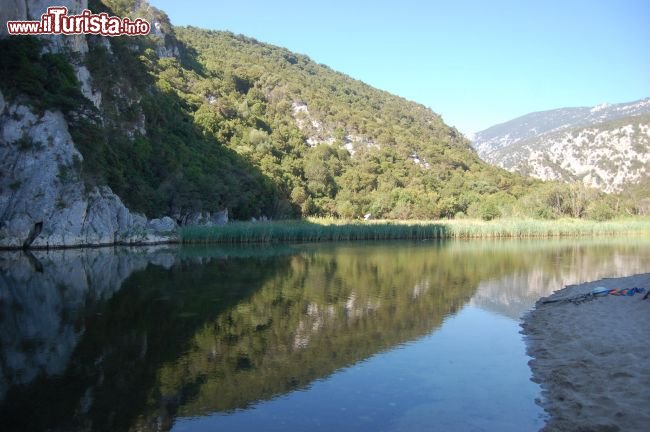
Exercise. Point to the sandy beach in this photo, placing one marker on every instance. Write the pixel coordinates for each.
(592, 359)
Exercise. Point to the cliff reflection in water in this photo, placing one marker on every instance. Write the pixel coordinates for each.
(552, 265)
(130, 339)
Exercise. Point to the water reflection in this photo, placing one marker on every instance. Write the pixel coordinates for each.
(547, 266)
(132, 339)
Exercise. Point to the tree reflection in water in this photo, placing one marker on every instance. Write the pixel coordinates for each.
(129, 339)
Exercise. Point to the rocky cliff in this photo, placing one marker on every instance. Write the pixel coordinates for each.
(605, 146)
(606, 156)
(43, 200)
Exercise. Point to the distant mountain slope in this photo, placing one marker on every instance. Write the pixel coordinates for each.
(605, 146)
(604, 156)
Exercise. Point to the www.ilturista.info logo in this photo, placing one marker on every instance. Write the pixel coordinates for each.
(57, 21)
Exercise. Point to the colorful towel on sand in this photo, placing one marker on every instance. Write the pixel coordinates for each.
(627, 291)
(598, 292)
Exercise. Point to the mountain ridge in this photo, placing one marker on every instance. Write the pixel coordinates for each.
(542, 144)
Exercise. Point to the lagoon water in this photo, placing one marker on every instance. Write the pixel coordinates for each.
(399, 336)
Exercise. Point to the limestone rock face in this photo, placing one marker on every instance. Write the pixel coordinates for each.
(83, 75)
(162, 225)
(58, 43)
(43, 200)
(604, 147)
(220, 218)
(204, 218)
(11, 10)
(36, 8)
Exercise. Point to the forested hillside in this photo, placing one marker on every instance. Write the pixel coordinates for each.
(331, 144)
(194, 120)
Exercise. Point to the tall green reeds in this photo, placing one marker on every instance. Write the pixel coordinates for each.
(318, 230)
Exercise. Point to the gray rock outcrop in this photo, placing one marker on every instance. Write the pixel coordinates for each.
(43, 200)
(11, 10)
(83, 75)
(162, 225)
(220, 218)
(204, 218)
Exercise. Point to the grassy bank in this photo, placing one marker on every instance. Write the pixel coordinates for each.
(316, 230)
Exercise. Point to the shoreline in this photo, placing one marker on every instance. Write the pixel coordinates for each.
(336, 230)
(90, 245)
(592, 359)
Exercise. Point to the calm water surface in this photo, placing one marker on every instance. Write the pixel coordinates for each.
(400, 336)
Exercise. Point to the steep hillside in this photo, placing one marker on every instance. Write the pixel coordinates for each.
(187, 121)
(536, 124)
(605, 156)
(605, 146)
(332, 144)
(47, 103)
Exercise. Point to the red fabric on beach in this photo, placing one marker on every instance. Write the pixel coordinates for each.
(627, 291)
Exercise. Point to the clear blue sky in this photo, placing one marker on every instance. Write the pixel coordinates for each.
(477, 63)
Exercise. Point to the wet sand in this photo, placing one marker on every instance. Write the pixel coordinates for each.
(593, 359)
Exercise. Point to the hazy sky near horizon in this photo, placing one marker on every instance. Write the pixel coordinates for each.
(477, 63)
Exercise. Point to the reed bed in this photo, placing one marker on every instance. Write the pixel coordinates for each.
(320, 230)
